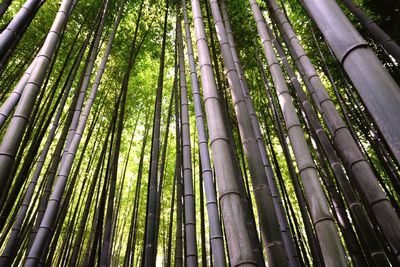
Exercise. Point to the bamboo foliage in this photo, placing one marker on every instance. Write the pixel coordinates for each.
(286, 180)
(130, 248)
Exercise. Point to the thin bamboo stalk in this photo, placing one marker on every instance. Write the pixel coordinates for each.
(188, 192)
(329, 240)
(239, 243)
(284, 226)
(178, 172)
(54, 202)
(380, 35)
(19, 121)
(273, 242)
(357, 211)
(216, 238)
(362, 175)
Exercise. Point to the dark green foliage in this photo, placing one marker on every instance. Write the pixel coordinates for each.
(105, 189)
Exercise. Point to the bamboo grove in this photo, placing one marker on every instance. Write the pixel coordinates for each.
(201, 132)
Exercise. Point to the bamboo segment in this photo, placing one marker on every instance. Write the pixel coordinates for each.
(50, 215)
(15, 95)
(286, 234)
(178, 177)
(188, 194)
(331, 247)
(11, 140)
(10, 250)
(216, 239)
(363, 67)
(382, 37)
(362, 175)
(238, 238)
(269, 222)
(10, 34)
(150, 240)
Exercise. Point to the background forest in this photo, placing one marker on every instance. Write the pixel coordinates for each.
(154, 133)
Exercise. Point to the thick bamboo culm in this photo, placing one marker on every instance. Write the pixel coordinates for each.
(199, 133)
(346, 146)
